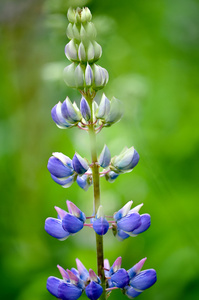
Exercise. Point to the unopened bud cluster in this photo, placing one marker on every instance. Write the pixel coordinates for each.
(83, 51)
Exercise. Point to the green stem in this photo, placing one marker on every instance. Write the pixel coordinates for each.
(96, 202)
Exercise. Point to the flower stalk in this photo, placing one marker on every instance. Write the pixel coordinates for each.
(96, 199)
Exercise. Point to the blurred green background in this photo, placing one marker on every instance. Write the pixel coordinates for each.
(151, 50)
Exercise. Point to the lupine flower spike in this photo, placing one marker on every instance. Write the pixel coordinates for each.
(92, 115)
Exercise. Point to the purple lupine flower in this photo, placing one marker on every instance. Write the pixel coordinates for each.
(66, 288)
(105, 157)
(67, 223)
(85, 109)
(58, 118)
(80, 165)
(130, 222)
(73, 221)
(93, 289)
(144, 279)
(84, 181)
(61, 170)
(140, 280)
(83, 272)
(125, 161)
(100, 224)
(130, 292)
(54, 226)
(70, 111)
(119, 276)
(111, 176)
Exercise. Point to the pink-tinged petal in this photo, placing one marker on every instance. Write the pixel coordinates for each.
(93, 276)
(73, 209)
(136, 268)
(116, 265)
(82, 270)
(61, 213)
(106, 264)
(73, 278)
(63, 273)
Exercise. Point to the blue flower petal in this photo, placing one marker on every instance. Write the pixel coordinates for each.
(64, 182)
(121, 235)
(54, 228)
(57, 168)
(120, 279)
(130, 292)
(145, 224)
(144, 279)
(101, 226)
(72, 224)
(67, 291)
(83, 182)
(79, 164)
(129, 223)
(93, 290)
(53, 284)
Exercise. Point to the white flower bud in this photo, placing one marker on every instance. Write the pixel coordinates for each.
(71, 50)
(69, 31)
(79, 77)
(82, 52)
(69, 75)
(76, 33)
(90, 52)
(88, 76)
(90, 30)
(71, 15)
(97, 50)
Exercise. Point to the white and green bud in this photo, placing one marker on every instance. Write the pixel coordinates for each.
(88, 76)
(71, 51)
(69, 75)
(71, 15)
(76, 33)
(97, 50)
(100, 77)
(69, 31)
(86, 15)
(90, 30)
(104, 108)
(105, 157)
(82, 53)
(115, 113)
(125, 161)
(79, 76)
(90, 52)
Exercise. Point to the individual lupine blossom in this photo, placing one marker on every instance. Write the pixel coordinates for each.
(132, 282)
(100, 224)
(74, 282)
(125, 161)
(67, 114)
(67, 223)
(128, 222)
(65, 171)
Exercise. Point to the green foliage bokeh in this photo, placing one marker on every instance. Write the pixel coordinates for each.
(150, 49)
